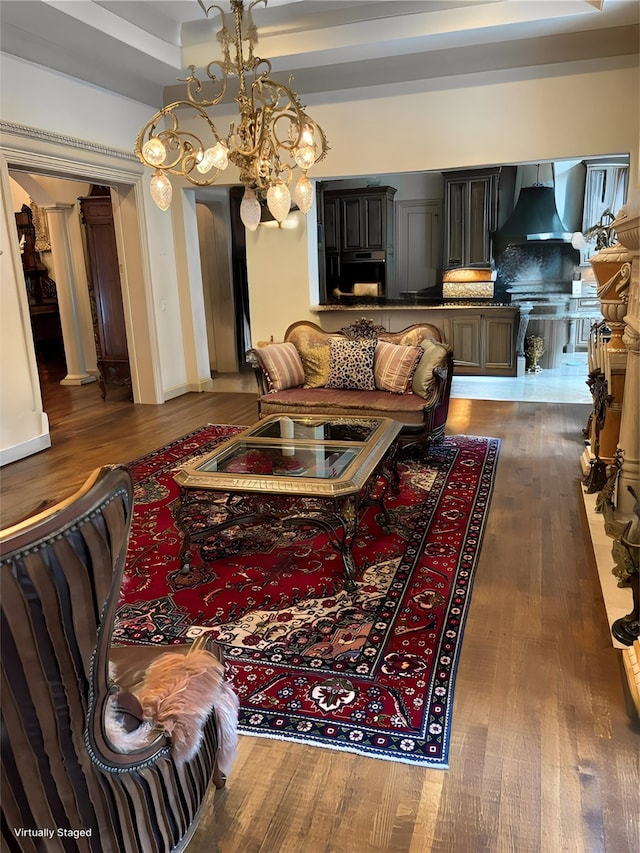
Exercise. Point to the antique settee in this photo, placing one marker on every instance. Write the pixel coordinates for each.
(362, 371)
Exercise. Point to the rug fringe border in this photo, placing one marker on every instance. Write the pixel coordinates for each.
(446, 739)
(426, 763)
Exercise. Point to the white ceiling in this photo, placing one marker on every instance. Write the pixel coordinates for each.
(139, 47)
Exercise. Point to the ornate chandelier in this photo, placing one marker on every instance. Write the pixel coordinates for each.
(273, 137)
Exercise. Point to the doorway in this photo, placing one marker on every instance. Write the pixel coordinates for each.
(33, 156)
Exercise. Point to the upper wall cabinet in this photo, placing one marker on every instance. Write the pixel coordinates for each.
(331, 221)
(359, 219)
(470, 215)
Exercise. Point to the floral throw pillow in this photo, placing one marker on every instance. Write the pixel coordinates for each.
(351, 364)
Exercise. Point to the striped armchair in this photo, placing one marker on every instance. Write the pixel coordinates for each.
(66, 785)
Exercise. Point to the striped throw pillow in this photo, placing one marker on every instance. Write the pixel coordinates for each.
(394, 366)
(282, 364)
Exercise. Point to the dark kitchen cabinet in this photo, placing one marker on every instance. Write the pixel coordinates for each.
(105, 292)
(331, 228)
(357, 220)
(470, 216)
(331, 223)
(367, 219)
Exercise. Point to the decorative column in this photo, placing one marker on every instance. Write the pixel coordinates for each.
(612, 268)
(61, 257)
(627, 226)
(607, 365)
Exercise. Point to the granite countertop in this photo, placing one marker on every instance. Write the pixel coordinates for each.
(423, 303)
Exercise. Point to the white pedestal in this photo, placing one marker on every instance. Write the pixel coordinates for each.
(618, 601)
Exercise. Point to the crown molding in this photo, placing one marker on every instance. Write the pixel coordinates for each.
(48, 136)
(31, 149)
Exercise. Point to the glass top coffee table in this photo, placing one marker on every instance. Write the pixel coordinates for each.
(334, 464)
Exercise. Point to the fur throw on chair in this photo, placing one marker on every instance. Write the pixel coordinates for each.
(176, 696)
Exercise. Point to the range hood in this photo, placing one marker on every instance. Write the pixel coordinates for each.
(534, 219)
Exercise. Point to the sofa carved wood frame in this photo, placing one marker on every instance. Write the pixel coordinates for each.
(424, 421)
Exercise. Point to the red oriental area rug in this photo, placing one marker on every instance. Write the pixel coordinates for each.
(370, 672)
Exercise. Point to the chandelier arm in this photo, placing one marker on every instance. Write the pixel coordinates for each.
(207, 9)
(193, 178)
(252, 32)
(187, 147)
(294, 111)
(194, 85)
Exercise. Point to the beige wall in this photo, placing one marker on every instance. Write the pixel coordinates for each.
(574, 110)
(283, 275)
(34, 96)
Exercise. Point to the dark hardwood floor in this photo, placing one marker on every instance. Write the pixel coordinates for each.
(87, 432)
(545, 745)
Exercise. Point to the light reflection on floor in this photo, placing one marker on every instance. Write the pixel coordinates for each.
(563, 384)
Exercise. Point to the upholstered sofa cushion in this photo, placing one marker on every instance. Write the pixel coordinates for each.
(351, 364)
(434, 355)
(282, 364)
(394, 366)
(407, 408)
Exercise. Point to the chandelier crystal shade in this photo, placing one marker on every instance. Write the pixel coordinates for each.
(272, 138)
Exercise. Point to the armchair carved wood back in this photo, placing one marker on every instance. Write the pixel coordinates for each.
(60, 580)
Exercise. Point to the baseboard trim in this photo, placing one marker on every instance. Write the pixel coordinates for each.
(179, 390)
(25, 448)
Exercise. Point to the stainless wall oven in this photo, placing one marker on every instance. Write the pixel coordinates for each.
(362, 275)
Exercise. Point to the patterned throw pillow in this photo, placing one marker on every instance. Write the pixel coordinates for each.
(394, 366)
(435, 355)
(351, 364)
(282, 365)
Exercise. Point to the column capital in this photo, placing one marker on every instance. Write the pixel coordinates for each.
(57, 207)
(631, 339)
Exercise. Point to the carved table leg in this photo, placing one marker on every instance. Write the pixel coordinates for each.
(180, 517)
(389, 467)
(347, 513)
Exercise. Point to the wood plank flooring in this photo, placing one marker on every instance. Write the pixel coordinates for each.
(87, 432)
(545, 744)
